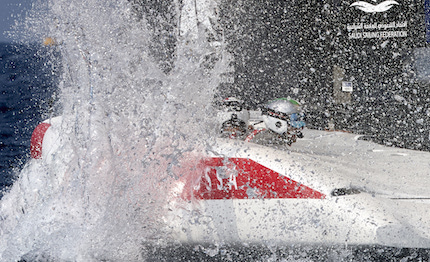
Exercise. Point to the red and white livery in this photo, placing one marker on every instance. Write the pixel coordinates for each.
(328, 188)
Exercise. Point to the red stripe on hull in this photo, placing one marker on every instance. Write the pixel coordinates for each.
(37, 140)
(241, 178)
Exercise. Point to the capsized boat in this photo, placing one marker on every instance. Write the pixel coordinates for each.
(328, 188)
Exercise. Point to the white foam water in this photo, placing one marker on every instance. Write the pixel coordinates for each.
(127, 128)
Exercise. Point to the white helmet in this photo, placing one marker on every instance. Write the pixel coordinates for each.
(277, 115)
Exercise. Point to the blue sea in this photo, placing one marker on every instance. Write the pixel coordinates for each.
(27, 86)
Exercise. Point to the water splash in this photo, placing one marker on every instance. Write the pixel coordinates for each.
(128, 130)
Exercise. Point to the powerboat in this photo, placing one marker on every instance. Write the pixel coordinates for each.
(329, 187)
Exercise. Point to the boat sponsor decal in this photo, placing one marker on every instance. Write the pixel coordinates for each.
(242, 178)
(37, 140)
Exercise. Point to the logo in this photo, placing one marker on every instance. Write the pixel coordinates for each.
(370, 8)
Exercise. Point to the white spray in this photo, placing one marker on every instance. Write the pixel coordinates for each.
(127, 127)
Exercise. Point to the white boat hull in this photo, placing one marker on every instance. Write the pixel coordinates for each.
(329, 188)
(351, 220)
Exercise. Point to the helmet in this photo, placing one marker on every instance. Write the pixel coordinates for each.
(277, 115)
(233, 108)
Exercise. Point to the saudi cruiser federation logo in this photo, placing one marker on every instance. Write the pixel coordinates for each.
(370, 8)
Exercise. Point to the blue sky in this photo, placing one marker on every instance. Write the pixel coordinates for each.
(9, 9)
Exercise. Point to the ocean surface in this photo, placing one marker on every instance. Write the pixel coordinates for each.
(27, 85)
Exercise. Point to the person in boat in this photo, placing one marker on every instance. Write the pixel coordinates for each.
(234, 117)
(284, 122)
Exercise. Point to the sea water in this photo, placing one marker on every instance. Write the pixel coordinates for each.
(27, 85)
